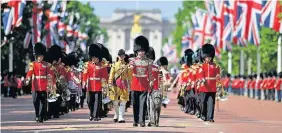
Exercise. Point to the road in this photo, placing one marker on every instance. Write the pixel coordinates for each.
(237, 115)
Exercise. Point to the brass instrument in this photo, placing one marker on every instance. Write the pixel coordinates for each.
(50, 87)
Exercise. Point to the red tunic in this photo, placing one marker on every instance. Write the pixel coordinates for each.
(253, 84)
(259, 84)
(38, 71)
(156, 78)
(249, 84)
(271, 83)
(235, 84)
(210, 74)
(278, 84)
(93, 75)
(140, 74)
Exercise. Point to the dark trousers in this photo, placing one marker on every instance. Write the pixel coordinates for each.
(128, 103)
(94, 103)
(13, 92)
(192, 100)
(186, 101)
(210, 101)
(139, 99)
(82, 97)
(5, 91)
(39, 102)
(72, 101)
(198, 102)
(203, 105)
(53, 109)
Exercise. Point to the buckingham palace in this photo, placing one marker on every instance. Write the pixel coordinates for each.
(119, 27)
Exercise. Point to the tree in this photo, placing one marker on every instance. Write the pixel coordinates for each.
(183, 16)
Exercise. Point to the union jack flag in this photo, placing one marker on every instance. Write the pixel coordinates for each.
(186, 40)
(202, 25)
(250, 12)
(7, 19)
(18, 7)
(269, 15)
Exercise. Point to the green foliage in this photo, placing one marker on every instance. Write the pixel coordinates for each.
(267, 51)
(182, 17)
(88, 21)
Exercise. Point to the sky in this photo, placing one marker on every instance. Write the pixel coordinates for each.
(106, 8)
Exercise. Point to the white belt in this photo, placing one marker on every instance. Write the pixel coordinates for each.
(95, 78)
(141, 76)
(40, 77)
(211, 78)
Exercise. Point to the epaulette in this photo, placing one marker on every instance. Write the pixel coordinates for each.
(68, 69)
(31, 64)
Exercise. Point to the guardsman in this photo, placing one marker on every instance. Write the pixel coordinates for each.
(73, 79)
(140, 83)
(163, 63)
(53, 57)
(271, 84)
(6, 84)
(94, 74)
(41, 74)
(253, 85)
(157, 79)
(106, 63)
(250, 78)
(210, 75)
(190, 99)
(179, 83)
(278, 85)
(119, 89)
(263, 86)
(259, 86)
(195, 91)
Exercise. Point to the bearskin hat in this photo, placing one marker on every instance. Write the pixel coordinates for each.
(39, 49)
(228, 75)
(280, 74)
(274, 73)
(105, 52)
(131, 55)
(196, 57)
(162, 61)
(126, 58)
(64, 59)
(188, 56)
(270, 74)
(255, 75)
(182, 61)
(208, 51)
(72, 58)
(151, 54)
(95, 51)
(261, 75)
(141, 43)
(55, 52)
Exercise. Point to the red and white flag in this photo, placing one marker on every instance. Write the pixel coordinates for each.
(27, 40)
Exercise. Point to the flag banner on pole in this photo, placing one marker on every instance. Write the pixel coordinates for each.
(7, 19)
(27, 40)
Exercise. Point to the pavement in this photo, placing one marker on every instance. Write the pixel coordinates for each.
(236, 115)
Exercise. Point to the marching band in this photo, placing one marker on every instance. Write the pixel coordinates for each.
(60, 83)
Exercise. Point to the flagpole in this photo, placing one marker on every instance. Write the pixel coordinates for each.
(279, 58)
(11, 55)
(258, 70)
(229, 62)
(242, 65)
